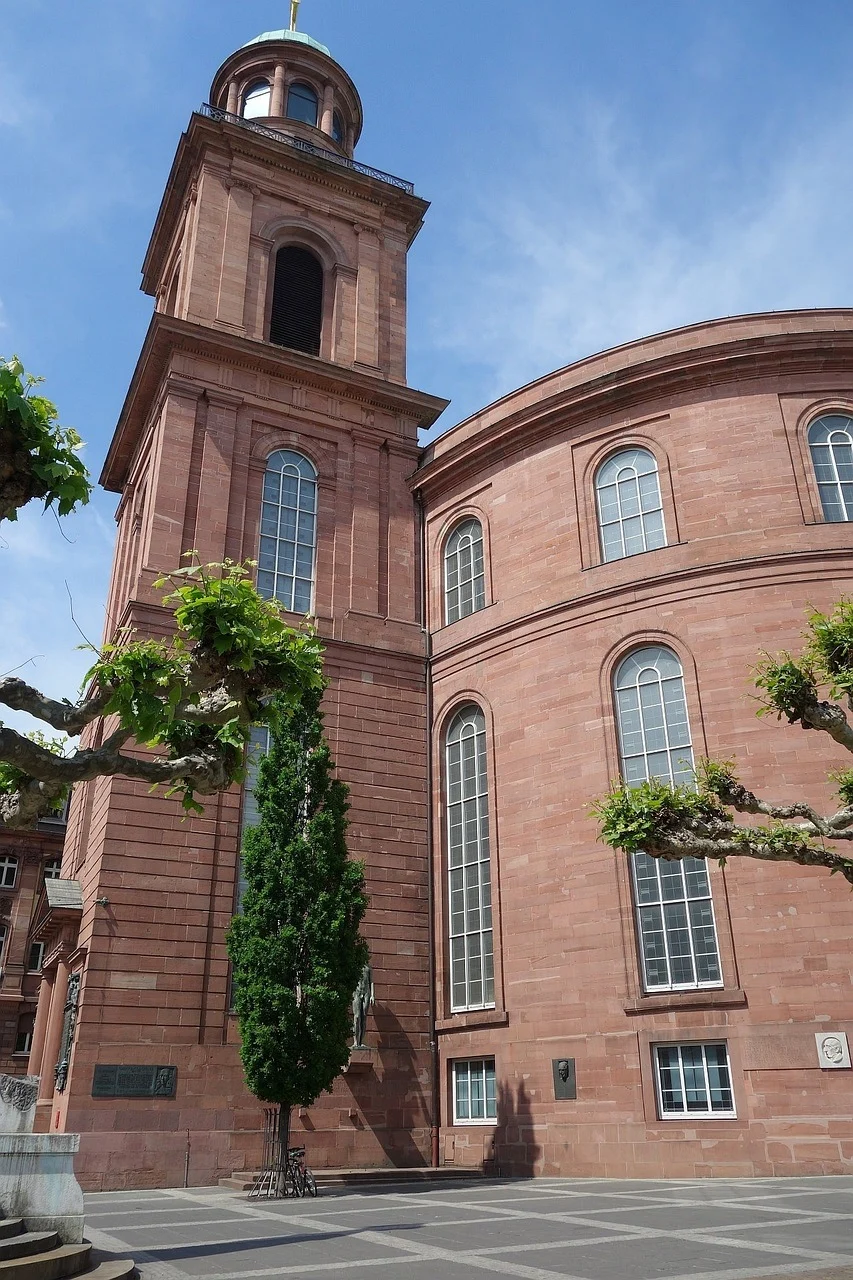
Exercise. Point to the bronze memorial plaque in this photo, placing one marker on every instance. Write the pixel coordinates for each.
(134, 1081)
(564, 1078)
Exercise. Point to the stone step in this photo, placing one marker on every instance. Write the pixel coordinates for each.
(358, 1177)
(115, 1269)
(67, 1260)
(27, 1243)
(10, 1227)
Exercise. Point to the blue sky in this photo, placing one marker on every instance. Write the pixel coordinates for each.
(597, 172)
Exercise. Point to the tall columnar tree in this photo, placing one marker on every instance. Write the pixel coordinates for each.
(193, 698)
(679, 822)
(295, 945)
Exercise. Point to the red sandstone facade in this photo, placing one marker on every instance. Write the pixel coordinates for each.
(25, 859)
(722, 409)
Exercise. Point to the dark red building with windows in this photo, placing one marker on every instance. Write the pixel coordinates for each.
(569, 586)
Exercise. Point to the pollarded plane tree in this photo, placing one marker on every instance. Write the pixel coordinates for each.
(698, 821)
(192, 698)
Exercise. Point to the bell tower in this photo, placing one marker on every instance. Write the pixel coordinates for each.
(268, 418)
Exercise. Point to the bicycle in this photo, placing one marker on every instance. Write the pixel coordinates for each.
(298, 1177)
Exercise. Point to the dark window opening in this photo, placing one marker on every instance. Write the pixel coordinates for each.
(297, 300)
(302, 104)
(338, 129)
(24, 1033)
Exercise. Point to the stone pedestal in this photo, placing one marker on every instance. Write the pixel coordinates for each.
(37, 1183)
(37, 1180)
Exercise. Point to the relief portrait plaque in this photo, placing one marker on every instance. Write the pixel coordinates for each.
(565, 1086)
(134, 1081)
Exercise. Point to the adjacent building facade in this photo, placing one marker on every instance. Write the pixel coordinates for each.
(568, 587)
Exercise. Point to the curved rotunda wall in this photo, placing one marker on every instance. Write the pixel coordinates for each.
(723, 409)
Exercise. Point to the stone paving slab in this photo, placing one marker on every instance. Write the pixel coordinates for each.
(545, 1229)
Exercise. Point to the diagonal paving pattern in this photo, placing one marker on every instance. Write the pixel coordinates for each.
(547, 1229)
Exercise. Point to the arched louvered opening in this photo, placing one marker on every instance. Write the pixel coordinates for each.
(297, 300)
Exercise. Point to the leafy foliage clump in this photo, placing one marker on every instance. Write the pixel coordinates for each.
(295, 945)
(676, 822)
(194, 696)
(632, 818)
(38, 457)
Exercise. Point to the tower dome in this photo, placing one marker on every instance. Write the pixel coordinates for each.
(288, 81)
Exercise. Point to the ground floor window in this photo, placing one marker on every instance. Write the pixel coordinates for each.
(693, 1080)
(474, 1091)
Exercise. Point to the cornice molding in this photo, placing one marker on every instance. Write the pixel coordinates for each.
(167, 335)
(618, 383)
(580, 609)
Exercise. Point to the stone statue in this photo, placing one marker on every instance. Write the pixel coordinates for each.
(363, 998)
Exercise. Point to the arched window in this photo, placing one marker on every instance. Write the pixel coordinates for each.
(296, 319)
(288, 531)
(675, 915)
(256, 100)
(831, 443)
(337, 129)
(464, 573)
(302, 104)
(472, 973)
(630, 515)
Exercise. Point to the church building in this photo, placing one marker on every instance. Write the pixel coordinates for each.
(570, 586)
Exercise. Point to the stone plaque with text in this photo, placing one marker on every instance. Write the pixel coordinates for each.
(134, 1081)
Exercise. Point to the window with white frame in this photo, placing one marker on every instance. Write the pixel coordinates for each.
(630, 512)
(8, 871)
(674, 911)
(831, 444)
(693, 1081)
(464, 571)
(472, 973)
(256, 100)
(53, 869)
(35, 957)
(288, 531)
(474, 1091)
(4, 933)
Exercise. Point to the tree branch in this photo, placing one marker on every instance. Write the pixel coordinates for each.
(722, 838)
(830, 718)
(68, 717)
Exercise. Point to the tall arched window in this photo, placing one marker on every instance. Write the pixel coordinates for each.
(256, 100)
(464, 572)
(337, 129)
(831, 443)
(288, 531)
(302, 104)
(630, 514)
(472, 972)
(296, 319)
(675, 915)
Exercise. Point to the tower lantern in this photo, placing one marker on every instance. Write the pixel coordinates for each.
(289, 81)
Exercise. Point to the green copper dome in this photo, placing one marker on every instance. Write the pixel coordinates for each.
(298, 36)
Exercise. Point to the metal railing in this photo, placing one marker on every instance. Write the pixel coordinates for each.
(308, 148)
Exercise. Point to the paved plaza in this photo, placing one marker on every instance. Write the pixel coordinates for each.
(548, 1229)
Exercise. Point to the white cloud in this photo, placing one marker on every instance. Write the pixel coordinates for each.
(595, 248)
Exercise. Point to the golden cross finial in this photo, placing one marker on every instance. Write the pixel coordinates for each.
(294, 10)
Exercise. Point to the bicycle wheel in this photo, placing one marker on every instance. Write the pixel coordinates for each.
(293, 1182)
(310, 1182)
